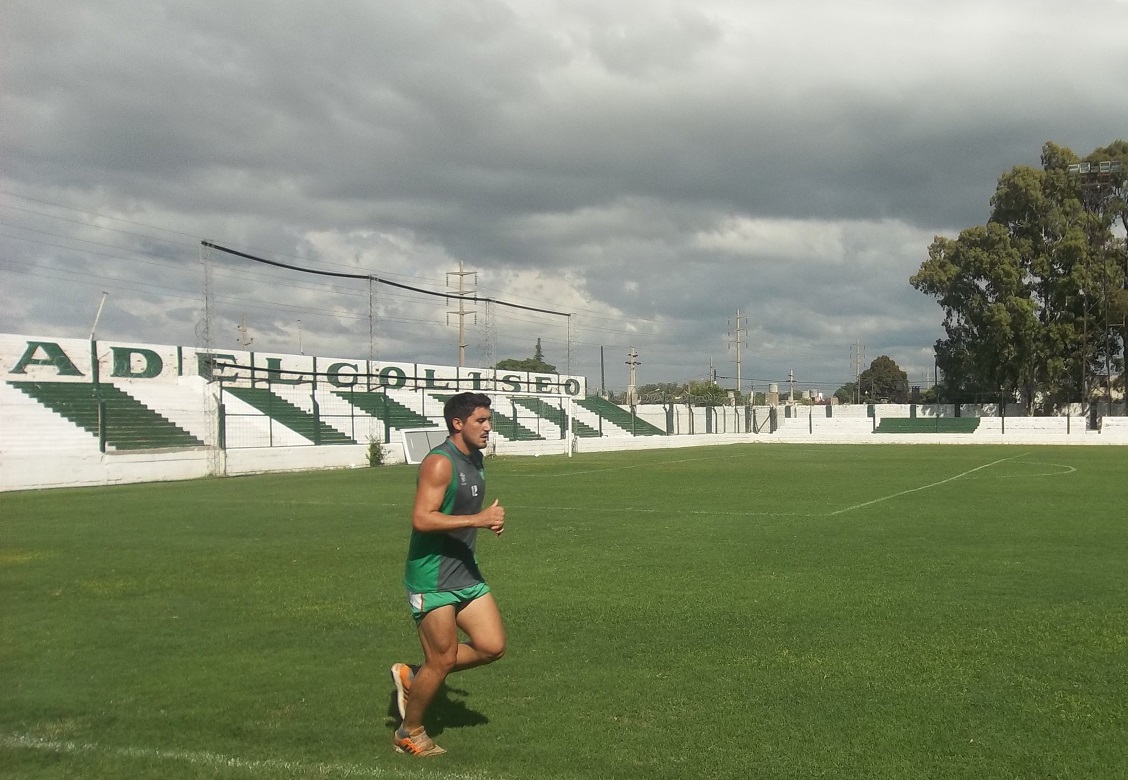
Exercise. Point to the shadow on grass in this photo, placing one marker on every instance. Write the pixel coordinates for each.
(448, 710)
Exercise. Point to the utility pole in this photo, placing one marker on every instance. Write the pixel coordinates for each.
(1100, 181)
(602, 375)
(791, 384)
(736, 333)
(462, 310)
(632, 363)
(857, 350)
(244, 341)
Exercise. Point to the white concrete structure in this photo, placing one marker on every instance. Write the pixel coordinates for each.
(57, 426)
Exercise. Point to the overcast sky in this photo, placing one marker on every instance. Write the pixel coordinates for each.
(649, 168)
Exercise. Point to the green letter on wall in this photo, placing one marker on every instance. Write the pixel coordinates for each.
(337, 379)
(123, 362)
(393, 377)
(55, 357)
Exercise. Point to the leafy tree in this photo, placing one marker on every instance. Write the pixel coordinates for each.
(1030, 297)
(535, 364)
(884, 380)
(708, 394)
(847, 394)
(670, 388)
(662, 391)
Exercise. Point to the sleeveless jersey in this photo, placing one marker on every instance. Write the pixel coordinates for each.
(443, 561)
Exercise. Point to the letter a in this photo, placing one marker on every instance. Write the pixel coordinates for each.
(55, 357)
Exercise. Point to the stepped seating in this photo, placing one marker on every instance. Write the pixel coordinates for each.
(555, 415)
(927, 425)
(503, 424)
(285, 413)
(386, 409)
(619, 416)
(129, 424)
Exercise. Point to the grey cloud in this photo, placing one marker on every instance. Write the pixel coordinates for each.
(592, 143)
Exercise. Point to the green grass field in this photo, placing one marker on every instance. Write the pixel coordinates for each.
(746, 611)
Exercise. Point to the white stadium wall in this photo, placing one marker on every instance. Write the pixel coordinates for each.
(75, 412)
(62, 398)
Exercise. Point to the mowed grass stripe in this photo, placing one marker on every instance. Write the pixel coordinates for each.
(667, 620)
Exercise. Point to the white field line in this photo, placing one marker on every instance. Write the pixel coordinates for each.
(925, 487)
(1064, 469)
(271, 767)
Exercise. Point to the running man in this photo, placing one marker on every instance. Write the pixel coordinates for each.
(444, 586)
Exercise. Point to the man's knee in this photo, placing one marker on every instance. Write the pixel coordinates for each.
(492, 649)
(442, 660)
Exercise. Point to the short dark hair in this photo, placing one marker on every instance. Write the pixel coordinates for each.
(461, 406)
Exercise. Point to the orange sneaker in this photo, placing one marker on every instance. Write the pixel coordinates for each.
(417, 743)
(402, 675)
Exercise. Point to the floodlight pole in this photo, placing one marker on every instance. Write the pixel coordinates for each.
(98, 316)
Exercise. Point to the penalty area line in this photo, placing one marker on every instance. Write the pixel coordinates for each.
(271, 767)
(924, 487)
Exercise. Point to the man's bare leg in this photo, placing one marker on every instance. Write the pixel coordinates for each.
(443, 653)
(480, 620)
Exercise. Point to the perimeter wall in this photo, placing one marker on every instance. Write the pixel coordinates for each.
(76, 412)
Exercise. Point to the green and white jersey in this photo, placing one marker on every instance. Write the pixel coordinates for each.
(443, 561)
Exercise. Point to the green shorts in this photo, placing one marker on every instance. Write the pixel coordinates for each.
(422, 603)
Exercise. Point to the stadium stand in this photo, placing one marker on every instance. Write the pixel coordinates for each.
(129, 424)
(555, 415)
(286, 413)
(620, 417)
(927, 425)
(386, 409)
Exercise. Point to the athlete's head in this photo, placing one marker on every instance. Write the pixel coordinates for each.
(461, 407)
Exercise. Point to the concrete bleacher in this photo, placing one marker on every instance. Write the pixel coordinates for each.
(104, 409)
(556, 415)
(295, 418)
(184, 401)
(389, 410)
(898, 425)
(29, 429)
(619, 416)
(245, 426)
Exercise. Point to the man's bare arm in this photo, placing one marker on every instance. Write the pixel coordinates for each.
(426, 517)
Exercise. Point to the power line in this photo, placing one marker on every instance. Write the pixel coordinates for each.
(376, 279)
